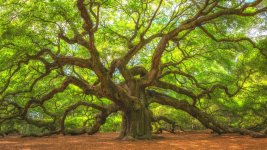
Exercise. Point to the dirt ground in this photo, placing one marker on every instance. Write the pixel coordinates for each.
(180, 141)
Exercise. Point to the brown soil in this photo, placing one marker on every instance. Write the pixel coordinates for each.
(186, 140)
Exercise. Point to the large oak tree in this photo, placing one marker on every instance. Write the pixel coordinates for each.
(58, 55)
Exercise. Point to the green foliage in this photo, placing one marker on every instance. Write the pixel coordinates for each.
(30, 26)
(113, 123)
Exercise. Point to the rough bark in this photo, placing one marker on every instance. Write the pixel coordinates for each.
(136, 124)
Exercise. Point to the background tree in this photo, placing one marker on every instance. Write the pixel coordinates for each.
(206, 58)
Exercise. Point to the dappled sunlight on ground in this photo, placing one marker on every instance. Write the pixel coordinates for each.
(179, 141)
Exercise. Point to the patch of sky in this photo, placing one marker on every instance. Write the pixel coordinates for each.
(35, 115)
(67, 71)
(249, 1)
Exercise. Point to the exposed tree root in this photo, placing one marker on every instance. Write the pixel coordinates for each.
(8, 132)
(247, 132)
(167, 120)
(41, 135)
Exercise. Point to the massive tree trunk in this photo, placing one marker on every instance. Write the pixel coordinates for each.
(136, 124)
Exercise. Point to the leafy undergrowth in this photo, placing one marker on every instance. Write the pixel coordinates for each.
(184, 140)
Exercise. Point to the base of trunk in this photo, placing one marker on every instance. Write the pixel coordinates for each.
(136, 124)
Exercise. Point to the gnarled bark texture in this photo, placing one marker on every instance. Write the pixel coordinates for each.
(136, 124)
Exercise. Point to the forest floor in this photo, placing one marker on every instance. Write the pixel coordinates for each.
(185, 140)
